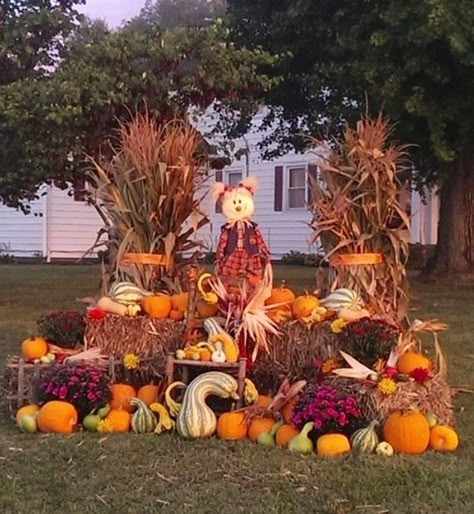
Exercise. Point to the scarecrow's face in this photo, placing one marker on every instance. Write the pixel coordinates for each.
(238, 204)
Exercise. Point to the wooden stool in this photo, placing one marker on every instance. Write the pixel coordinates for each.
(232, 368)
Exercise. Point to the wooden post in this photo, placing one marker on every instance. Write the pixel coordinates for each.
(169, 370)
(241, 382)
(35, 383)
(21, 382)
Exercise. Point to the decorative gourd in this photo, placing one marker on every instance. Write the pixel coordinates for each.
(263, 401)
(172, 405)
(228, 345)
(195, 418)
(27, 410)
(127, 293)
(206, 310)
(119, 419)
(365, 439)
(284, 435)
(407, 432)
(213, 327)
(232, 426)
(332, 444)
(179, 302)
(443, 438)
(259, 426)
(218, 354)
(57, 416)
(268, 438)
(411, 360)
(205, 355)
(304, 305)
(385, 449)
(121, 394)
(157, 306)
(176, 315)
(148, 393)
(343, 298)
(210, 297)
(164, 420)
(143, 419)
(352, 314)
(108, 305)
(250, 392)
(34, 348)
(301, 443)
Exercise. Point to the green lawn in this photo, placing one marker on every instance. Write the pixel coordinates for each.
(128, 473)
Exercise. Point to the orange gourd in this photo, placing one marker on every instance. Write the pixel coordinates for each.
(411, 360)
(121, 394)
(304, 305)
(148, 394)
(284, 434)
(57, 416)
(259, 426)
(287, 411)
(34, 348)
(176, 315)
(119, 419)
(232, 426)
(332, 444)
(443, 438)
(157, 306)
(27, 410)
(205, 355)
(407, 432)
(263, 401)
(206, 310)
(179, 302)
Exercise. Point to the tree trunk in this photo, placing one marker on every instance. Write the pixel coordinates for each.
(455, 248)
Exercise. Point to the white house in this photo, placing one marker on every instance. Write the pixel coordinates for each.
(61, 226)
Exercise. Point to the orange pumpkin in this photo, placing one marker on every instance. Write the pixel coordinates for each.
(287, 411)
(34, 348)
(407, 432)
(263, 401)
(176, 315)
(281, 294)
(332, 444)
(179, 302)
(443, 438)
(232, 426)
(206, 310)
(148, 393)
(304, 305)
(121, 394)
(259, 426)
(411, 360)
(157, 306)
(57, 416)
(119, 419)
(205, 355)
(284, 434)
(27, 410)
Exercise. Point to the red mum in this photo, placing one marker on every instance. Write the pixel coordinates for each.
(95, 313)
(420, 375)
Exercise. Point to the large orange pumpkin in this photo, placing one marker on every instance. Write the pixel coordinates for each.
(284, 434)
(407, 432)
(206, 310)
(121, 394)
(148, 393)
(157, 306)
(27, 410)
(443, 438)
(179, 302)
(232, 426)
(58, 417)
(411, 360)
(34, 348)
(259, 426)
(119, 419)
(304, 305)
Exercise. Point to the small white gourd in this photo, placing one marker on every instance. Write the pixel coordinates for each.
(218, 354)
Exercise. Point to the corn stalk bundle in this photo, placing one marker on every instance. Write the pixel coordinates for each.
(149, 194)
(357, 209)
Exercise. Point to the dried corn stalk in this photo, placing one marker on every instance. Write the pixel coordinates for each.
(357, 209)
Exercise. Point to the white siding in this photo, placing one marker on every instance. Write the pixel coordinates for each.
(424, 218)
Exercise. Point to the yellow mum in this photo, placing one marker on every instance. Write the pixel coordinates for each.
(337, 326)
(131, 361)
(387, 386)
(105, 425)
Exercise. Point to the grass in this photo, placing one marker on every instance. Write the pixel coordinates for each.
(129, 474)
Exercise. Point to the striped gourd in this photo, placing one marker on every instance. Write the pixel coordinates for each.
(365, 439)
(195, 418)
(342, 299)
(212, 327)
(127, 293)
(217, 334)
(143, 419)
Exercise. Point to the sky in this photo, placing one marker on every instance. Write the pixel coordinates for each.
(112, 11)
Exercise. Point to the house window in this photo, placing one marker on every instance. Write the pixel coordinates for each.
(297, 187)
(233, 178)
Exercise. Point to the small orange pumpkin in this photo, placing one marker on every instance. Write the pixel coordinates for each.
(57, 416)
(411, 360)
(332, 444)
(304, 305)
(206, 310)
(205, 355)
(281, 294)
(176, 315)
(231, 426)
(121, 394)
(179, 302)
(407, 432)
(157, 306)
(263, 401)
(443, 438)
(148, 393)
(284, 434)
(259, 426)
(34, 348)
(119, 419)
(27, 410)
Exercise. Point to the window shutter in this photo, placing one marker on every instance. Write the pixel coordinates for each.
(218, 177)
(278, 203)
(79, 189)
(312, 177)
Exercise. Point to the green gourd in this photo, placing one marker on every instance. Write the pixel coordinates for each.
(301, 443)
(143, 419)
(268, 438)
(365, 440)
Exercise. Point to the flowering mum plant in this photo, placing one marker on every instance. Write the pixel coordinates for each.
(330, 409)
(86, 387)
(369, 339)
(64, 328)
